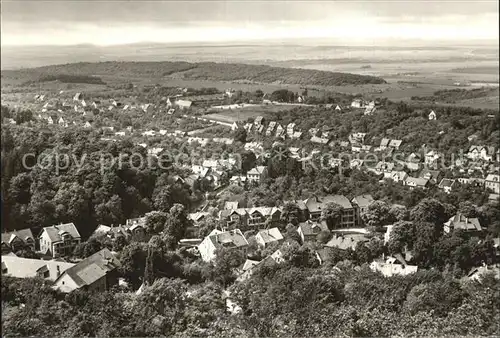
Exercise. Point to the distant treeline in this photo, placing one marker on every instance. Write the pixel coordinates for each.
(204, 71)
(453, 95)
(69, 78)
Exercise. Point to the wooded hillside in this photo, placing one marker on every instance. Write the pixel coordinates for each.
(199, 71)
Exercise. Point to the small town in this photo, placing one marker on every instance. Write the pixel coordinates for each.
(222, 199)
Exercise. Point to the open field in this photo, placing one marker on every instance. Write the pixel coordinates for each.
(242, 114)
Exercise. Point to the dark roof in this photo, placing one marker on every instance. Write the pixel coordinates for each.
(54, 232)
(22, 234)
(310, 228)
(92, 268)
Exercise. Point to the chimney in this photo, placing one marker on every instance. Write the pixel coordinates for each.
(58, 271)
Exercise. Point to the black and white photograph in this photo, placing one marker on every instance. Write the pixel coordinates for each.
(250, 168)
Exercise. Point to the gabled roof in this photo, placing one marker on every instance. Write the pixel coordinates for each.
(419, 182)
(196, 216)
(446, 182)
(239, 211)
(259, 170)
(91, 268)
(346, 242)
(270, 235)
(23, 234)
(26, 267)
(338, 199)
(459, 221)
(309, 228)
(384, 142)
(493, 178)
(249, 264)
(363, 201)
(56, 231)
(395, 143)
(433, 174)
(229, 239)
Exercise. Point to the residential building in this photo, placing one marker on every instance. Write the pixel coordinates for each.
(434, 176)
(258, 121)
(289, 129)
(446, 185)
(257, 174)
(59, 240)
(254, 218)
(320, 140)
(357, 103)
(19, 267)
(362, 202)
(197, 217)
(233, 240)
(397, 176)
(432, 158)
(309, 230)
(395, 144)
(346, 242)
(231, 205)
(393, 266)
(183, 103)
(280, 131)
(460, 222)
(268, 236)
(315, 206)
(233, 217)
(270, 128)
(13, 241)
(357, 138)
(413, 162)
(481, 153)
(413, 182)
(432, 115)
(492, 182)
(97, 273)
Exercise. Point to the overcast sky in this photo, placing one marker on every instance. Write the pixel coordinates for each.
(61, 22)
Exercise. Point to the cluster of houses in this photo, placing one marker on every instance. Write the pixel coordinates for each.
(96, 272)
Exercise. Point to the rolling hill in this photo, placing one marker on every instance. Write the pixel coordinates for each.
(195, 71)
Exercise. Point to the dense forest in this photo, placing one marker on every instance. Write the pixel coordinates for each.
(200, 71)
(454, 95)
(68, 78)
(296, 298)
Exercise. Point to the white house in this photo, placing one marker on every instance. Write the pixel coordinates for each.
(19, 267)
(492, 182)
(392, 267)
(432, 115)
(268, 236)
(96, 272)
(183, 103)
(59, 240)
(446, 185)
(232, 239)
(256, 174)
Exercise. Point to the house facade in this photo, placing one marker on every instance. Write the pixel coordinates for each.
(13, 241)
(492, 182)
(59, 240)
(95, 273)
(233, 240)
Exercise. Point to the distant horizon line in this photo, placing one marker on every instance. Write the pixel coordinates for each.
(320, 42)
